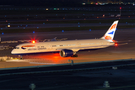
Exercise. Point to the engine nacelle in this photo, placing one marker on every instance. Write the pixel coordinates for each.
(66, 53)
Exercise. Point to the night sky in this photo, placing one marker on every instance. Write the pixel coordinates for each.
(41, 2)
(47, 3)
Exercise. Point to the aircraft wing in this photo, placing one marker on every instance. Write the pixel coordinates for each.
(75, 49)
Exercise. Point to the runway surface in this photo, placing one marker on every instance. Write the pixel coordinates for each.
(123, 51)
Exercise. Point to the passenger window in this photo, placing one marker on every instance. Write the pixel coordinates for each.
(53, 45)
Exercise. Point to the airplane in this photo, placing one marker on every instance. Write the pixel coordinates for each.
(69, 47)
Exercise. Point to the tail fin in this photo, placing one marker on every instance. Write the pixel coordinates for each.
(109, 35)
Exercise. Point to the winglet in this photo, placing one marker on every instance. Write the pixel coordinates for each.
(109, 35)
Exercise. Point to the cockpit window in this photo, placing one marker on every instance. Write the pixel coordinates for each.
(17, 48)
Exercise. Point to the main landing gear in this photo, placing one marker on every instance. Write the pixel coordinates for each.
(20, 56)
(74, 55)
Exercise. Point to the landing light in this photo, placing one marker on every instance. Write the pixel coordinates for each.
(33, 41)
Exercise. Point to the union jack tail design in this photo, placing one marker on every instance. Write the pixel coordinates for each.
(109, 35)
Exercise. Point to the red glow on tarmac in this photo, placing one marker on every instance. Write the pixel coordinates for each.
(116, 44)
(56, 56)
(48, 58)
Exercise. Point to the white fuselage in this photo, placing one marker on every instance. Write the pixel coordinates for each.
(52, 46)
(70, 47)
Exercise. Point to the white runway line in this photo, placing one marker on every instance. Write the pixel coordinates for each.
(17, 61)
(42, 63)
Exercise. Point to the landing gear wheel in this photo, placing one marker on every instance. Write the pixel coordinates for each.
(20, 56)
(75, 55)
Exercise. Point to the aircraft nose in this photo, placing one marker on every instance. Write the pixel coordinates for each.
(13, 51)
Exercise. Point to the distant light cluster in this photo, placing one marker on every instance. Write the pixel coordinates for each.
(104, 2)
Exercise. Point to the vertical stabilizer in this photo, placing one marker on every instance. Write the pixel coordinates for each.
(109, 35)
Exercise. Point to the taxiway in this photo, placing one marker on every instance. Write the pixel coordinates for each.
(125, 50)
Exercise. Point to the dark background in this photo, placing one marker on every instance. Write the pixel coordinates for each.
(50, 3)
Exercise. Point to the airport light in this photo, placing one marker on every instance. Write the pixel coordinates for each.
(120, 7)
(55, 9)
(120, 10)
(8, 25)
(83, 3)
(32, 86)
(106, 84)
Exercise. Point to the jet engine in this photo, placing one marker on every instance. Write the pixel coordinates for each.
(66, 53)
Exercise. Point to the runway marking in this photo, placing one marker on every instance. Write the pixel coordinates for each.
(17, 61)
(42, 63)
